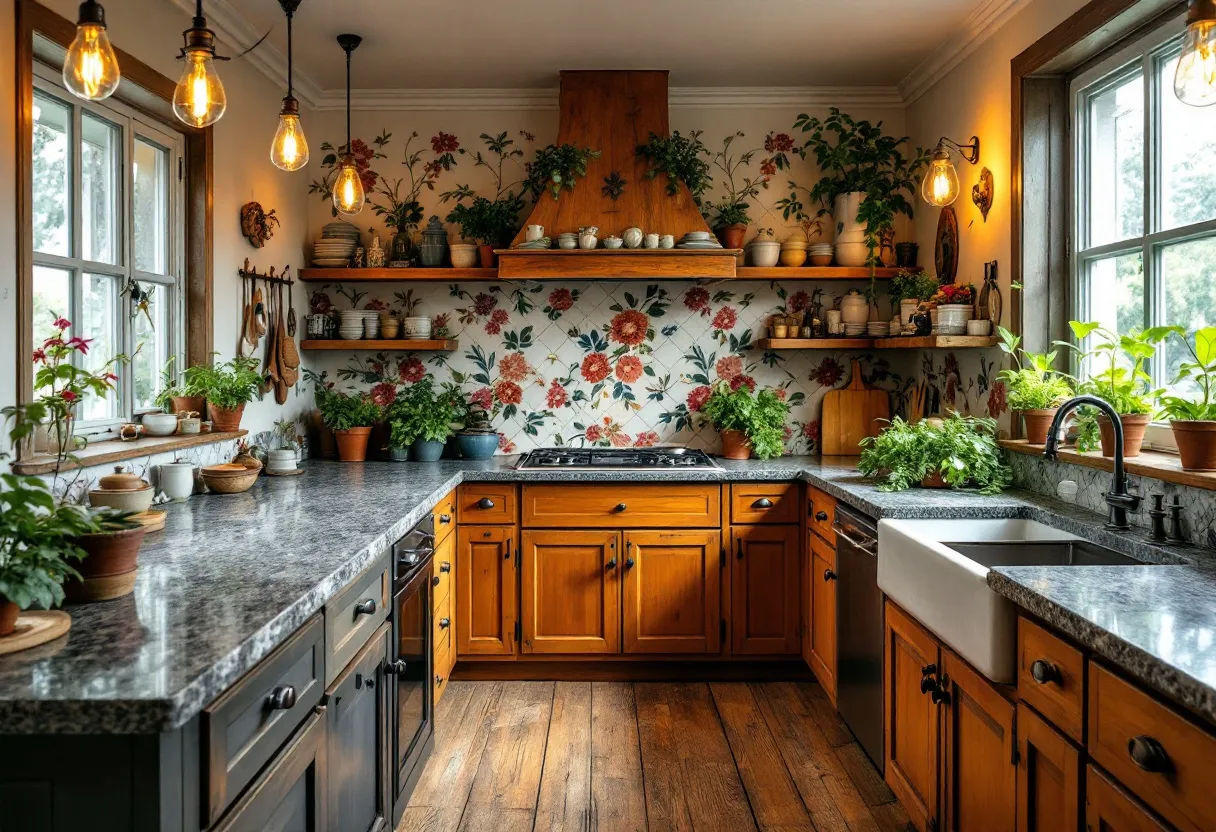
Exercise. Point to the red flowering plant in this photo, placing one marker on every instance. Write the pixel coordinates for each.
(955, 293)
(402, 211)
(363, 153)
(63, 383)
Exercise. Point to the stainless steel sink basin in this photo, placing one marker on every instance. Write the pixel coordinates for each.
(1041, 553)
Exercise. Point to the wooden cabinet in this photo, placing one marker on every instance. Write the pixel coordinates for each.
(444, 515)
(979, 751)
(1049, 776)
(486, 503)
(763, 502)
(357, 707)
(822, 514)
(570, 591)
(486, 590)
(821, 586)
(1110, 809)
(671, 591)
(1051, 677)
(911, 751)
(764, 590)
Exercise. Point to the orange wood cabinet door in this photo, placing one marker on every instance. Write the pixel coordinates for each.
(1110, 809)
(1049, 777)
(979, 751)
(671, 591)
(822, 580)
(764, 590)
(806, 598)
(571, 591)
(486, 590)
(912, 755)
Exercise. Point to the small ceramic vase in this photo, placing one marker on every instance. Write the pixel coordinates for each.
(651, 241)
(633, 237)
(667, 241)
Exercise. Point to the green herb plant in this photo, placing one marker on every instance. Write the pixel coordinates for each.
(760, 416)
(1115, 374)
(228, 385)
(172, 384)
(342, 411)
(424, 413)
(680, 159)
(558, 167)
(491, 221)
(1200, 371)
(906, 285)
(962, 449)
(1032, 383)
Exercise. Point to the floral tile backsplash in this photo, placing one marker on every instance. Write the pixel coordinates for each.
(611, 364)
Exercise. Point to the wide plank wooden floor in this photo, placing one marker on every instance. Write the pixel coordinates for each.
(622, 756)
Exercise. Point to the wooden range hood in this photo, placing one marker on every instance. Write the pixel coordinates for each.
(614, 112)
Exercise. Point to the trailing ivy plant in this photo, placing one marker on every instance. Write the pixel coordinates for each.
(961, 449)
(761, 416)
(557, 168)
(680, 159)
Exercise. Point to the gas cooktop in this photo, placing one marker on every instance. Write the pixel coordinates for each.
(647, 458)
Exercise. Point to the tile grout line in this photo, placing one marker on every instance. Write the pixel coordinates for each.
(731, 748)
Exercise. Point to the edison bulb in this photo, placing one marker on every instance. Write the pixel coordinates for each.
(940, 185)
(348, 188)
(289, 150)
(1195, 78)
(199, 99)
(90, 69)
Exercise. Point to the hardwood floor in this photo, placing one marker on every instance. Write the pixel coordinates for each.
(620, 756)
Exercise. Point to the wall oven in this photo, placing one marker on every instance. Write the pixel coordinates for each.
(409, 667)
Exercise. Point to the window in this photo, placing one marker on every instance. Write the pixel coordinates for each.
(1144, 198)
(108, 238)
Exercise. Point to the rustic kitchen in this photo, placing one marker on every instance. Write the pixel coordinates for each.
(525, 416)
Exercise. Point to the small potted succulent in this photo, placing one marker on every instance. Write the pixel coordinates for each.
(177, 395)
(1193, 421)
(421, 420)
(1121, 382)
(228, 387)
(750, 424)
(1034, 388)
(478, 438)
(350, 416)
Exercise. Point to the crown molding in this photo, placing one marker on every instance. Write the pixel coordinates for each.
(978, 26)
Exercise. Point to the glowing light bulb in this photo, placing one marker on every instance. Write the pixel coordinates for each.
(199, 99)
(90, 68)
(348, 188)
(940, 185)
(1195, 78)
(289, 150)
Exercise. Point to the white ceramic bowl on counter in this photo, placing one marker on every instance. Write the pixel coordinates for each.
(159, 424)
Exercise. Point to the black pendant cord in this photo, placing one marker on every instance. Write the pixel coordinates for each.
(348, 150)
(199, 21)
(289, 89)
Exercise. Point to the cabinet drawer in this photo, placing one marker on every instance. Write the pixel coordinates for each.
(486, 503)
(621, 507)
(445, 559)
(244, 728)
(1161, 756)
(445, 516)
(764, 502)
(1058, 692)
(1110, 809)
(823, 513)
(354, 614)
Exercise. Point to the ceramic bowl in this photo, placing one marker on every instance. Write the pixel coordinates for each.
(567, 243)
(230, 478)
(792, 243)
(416, 329)
(350, 334)
(464, 255)
(765, 253)
(159, 424)
(190, 426)
(793, 256)
(140, 500)
(979, 328)
(613, 242)
(281, 459)
(821, 259)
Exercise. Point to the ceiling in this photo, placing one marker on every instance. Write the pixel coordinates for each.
(523, 44)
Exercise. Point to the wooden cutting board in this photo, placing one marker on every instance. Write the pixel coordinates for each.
(850, 415)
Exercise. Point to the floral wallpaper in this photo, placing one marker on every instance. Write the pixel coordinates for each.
(610, 364)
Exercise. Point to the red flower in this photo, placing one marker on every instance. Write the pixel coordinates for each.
(646, 439)
(828, 373)
(557, 396)
(593, 433)
(596, 367)
(62, 323)
(39, 356)
(376, 305)
(780, 393)
(514, 367)
(726, 318)
(497, 318)
(619, 439)
(799, 301)
(362, 153)
(560, 300)
(629, 327)
(68, 396)
(110, 377)
(811, 430)
(768, 168)
(53, 342)
(728, 367)
(484, 303)
(444, 143)
(505, 445)
(483, 398)
(411, 369)
(508, 392)
(778, 143)
(698, 397)
(377, 367)
(996, 400)
(743, 381)
(81, 344)
(629, 368)
(787, 433)
(384, 393)
(320, 304)
(697, 300)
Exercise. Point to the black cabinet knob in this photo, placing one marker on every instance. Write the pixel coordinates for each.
(444, 623)
(1149, 755)
(485, 503)
(1044, 672)
(395, 668)
(628, 563)
(445, 566)
(282, 698)
(444, 519)
(611, 564)
(821, 516)
(369, 682)
(763, 502)
(829, 575)
(438, 679)
(928, 670)
(366, 607)
(939, 696)
(619, 508)
(435, 581)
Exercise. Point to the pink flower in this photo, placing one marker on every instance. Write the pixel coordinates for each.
(39, 356)
(68, 396)
(505, 445)
(697, 300)
(780, 393)
(514, 367)
(619, 439)
(646, 439)
(593, 433)
(561, 299)
(629, 327)
(556, 396)
(629, 368)
(384, 393)
(483, 398)
(596, 367)
(508, 392)
(81, 344)
(728, 367)
(62, 323)
(698, 397)
(726, 318)
(376, 305)
(743, 381)
(411, 369)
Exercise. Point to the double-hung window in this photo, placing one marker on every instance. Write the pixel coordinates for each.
(108, 241)
(1144, 199)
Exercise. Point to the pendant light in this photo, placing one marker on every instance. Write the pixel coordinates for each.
(1195, 78)
(90, 69)
(348, 186)
(289, 150)
(199, 98)
(940, 185)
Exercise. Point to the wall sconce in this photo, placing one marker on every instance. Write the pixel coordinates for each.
(1195, 78)
(940, 185)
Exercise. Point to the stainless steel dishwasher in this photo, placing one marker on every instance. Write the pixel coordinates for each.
(859, 635)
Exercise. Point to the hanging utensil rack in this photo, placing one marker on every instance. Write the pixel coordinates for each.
(251, 273)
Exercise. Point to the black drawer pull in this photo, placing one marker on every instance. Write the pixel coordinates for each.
(1045, 672)
(763, 502)
(821, 516)
(444, 519)
(445, 566)
(611, 564)
(628, 563)
(395, 668)
(829, 575)
(928, 670)
(366, 607)
(619, 508)
(485, 503)
(444, 623)
(1149, 755)
(435, 581)
(282, 698)
(438, 679)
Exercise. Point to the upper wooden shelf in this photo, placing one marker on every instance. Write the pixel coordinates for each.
(612, 264)
(439, 345)
(813, 273)
(929, 342)
(374, 275)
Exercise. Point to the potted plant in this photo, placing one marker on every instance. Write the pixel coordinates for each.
(908, 290)
(557, 167)
(1121, 382)
(350, 416)
(958, 452)
(176, 394)
(866, 176)
(402, 212)
(421, 419)
(228, 387)
(679, 158)
(1034, 389)
(750, 424)
(729, 216)
(955, 306)
(491, 223)
(478, 438)
(63, 384)
(1193, 420)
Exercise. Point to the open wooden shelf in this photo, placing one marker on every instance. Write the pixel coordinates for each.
(928, 342)
(375, 275)
(815, 343)
(813, 273)
(442, 345)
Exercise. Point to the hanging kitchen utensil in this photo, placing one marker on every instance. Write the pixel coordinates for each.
(916, 402)
(242, 343)
(291, 305)
(259, 311)
(280, 329)
(852, 414)
(289, 356)
(271, 364)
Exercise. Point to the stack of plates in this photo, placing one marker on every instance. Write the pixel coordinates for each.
(539, 243)
(567, 240)
(854, 330)
(698, 239)
(822, 248)
(331, 252)
(878, 329)
(350, 327)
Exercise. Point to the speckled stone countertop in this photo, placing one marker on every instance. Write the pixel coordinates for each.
(231, 577)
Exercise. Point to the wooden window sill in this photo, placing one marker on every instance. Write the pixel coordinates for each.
(116, 450)
(1154, 464)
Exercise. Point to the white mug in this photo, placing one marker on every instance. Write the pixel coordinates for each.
(667, 241)
(534, 232)
(651, 241)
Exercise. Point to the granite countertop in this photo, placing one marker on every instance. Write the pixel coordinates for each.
(231, 577)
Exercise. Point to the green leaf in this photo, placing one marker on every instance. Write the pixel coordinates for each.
(1083, 330)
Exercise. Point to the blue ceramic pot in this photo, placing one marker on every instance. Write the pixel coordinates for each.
(478, 445)
(425, 451)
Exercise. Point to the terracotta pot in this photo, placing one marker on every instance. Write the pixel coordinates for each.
(225, 421)
(485, 255)
(731, 236)
(187, 404)
(8, 617)
(735, 445)
(1196, 444)
(934, 480)
(352, 444)
(110, 565)
(1037, 424)
(1134, 425)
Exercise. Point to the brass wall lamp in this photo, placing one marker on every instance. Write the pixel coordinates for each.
(940, 185)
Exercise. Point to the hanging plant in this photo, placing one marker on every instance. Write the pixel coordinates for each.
(614, 185)
(557, 167)
(680, 159)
